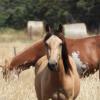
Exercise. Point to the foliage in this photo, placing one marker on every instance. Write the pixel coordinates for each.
(16, 13)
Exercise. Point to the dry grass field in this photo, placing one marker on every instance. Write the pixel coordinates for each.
(23, 88)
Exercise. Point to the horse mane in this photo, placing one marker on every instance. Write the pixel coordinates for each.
(64, 47)
(64, 52)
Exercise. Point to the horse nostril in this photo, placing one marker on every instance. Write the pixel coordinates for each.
(52, 64)
(55, 64)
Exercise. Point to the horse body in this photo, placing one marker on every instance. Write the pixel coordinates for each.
(85, 52)
(56, 74)
(55, 85)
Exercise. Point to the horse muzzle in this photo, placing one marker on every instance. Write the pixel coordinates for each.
(52, 66)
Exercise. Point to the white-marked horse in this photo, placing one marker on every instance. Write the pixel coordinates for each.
(56, 73)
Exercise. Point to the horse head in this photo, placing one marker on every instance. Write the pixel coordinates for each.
(55, 47)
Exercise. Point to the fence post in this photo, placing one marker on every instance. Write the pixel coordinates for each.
(14, 51)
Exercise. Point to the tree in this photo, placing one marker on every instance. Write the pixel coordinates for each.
(16, 13)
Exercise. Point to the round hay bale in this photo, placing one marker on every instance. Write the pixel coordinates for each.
(75, 30)
(35, 28)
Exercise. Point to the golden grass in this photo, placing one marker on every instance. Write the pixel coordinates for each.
(90, 88)
(23, 88)
(16, 89)
(9, 35)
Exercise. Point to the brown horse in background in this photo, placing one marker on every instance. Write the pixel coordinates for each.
(56, 73)
(85, 52)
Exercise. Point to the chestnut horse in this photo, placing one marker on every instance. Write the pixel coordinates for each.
(85, 52)
(56, 73)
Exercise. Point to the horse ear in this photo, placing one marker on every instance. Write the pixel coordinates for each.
(60, 29)
(47, 28)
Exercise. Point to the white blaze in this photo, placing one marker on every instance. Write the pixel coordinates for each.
(81, 67)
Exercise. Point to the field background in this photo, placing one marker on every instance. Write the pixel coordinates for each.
(23, 88)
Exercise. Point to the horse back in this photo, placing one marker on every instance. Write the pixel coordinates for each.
(32, 53)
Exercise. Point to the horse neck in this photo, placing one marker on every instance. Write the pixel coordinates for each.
(61, 69)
